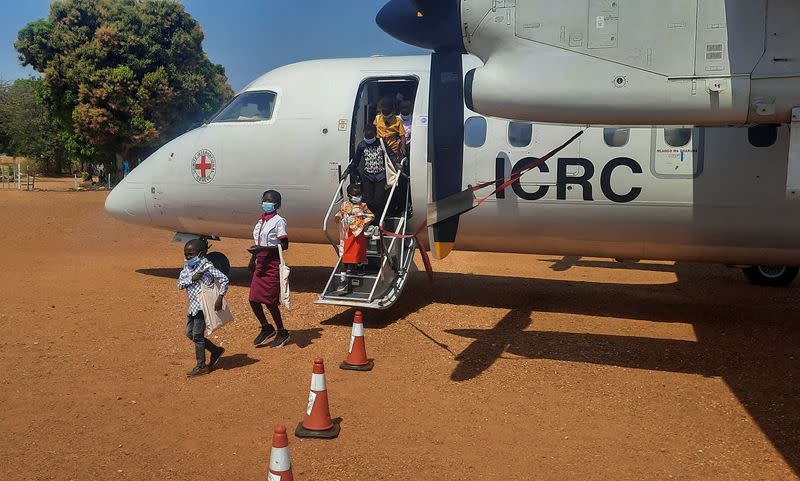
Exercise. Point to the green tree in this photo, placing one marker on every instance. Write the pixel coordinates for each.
(28, 129)
(126, 75)
(4, 139)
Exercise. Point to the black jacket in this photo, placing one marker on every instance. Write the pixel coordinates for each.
(356, 169)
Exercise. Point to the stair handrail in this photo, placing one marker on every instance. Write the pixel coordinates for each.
(391, 193)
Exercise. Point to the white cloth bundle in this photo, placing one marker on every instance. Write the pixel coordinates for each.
(214, 319)
(285, 296)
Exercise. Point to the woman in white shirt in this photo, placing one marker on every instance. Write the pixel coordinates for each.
(265, 288)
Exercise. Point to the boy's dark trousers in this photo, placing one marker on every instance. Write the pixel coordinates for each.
(195, 327)
(375, 194)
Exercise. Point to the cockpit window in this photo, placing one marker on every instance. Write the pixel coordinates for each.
(248, 107)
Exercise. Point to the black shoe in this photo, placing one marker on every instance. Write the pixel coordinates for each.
(197, 371)
(266, 332)
(281, 339)
(212, 363)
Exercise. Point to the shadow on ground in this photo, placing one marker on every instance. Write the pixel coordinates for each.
(750, 336)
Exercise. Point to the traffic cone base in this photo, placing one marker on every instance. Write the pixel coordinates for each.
(331, 433)
(352, 367)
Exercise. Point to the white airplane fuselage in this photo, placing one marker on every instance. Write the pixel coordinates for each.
(715, 199)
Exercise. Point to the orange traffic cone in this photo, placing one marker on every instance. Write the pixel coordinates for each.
(317, 421)
(357, 353)
(280, 463)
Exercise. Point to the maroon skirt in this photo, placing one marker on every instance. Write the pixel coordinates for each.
(265, 288)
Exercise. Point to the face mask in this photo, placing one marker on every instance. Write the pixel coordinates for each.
(406, 118)
(370, 141)
(193, 261)
(355, 200)
(269, 207)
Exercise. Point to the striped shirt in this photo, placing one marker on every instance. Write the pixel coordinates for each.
(193, 289)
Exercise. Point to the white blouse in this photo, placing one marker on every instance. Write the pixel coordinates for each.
(269, 233)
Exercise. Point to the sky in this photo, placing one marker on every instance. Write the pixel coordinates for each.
(248, 37)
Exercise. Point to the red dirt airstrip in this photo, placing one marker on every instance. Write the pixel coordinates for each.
(508, 367)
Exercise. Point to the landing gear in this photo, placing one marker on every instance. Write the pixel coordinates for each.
(220, 261)
(217, 259)
(774, 276)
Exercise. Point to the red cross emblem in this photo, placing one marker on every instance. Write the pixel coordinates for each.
(204, 166)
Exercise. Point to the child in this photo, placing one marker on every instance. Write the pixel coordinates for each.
(355, 216)
(390, 127)
(370, 162)
(198, 270)
(265, 288)
(405, 114)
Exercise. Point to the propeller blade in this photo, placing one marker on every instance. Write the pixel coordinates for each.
(445, 142)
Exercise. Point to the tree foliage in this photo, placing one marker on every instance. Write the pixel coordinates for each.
(28, 129)
(124, 74)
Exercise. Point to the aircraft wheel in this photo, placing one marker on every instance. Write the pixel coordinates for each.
(220, 261)
(774, 276)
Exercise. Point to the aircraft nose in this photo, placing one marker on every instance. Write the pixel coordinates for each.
(127, 202)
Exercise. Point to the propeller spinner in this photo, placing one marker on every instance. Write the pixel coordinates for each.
(436, 25)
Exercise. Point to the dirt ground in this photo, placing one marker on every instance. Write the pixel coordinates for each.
(508, 367)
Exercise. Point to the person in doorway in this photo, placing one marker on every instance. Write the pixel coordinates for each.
(390, 127)
(406, 108)
(268, 233)
(196, 270)
(355, 216)
(370, 162)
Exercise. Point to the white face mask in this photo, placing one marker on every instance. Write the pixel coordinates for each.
(370, 141)
(406, 118)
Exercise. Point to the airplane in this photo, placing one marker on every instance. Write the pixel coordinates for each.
(702, 194)
(712, 63)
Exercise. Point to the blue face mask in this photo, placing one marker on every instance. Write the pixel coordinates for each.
(194, 261)
(355, 200)
(370, 141)
(269, 207)
(406, 118)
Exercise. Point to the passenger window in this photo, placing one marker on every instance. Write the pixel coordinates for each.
(677, 137)
(520, 134)
(248, 107)
(616, 137)
(475, 132)
(762, 135)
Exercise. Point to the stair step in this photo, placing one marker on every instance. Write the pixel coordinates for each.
(353, 296)
(358, 276)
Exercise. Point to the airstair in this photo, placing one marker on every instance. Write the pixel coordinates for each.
(389, 259)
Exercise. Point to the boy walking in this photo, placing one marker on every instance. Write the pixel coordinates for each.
(196, 273)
